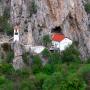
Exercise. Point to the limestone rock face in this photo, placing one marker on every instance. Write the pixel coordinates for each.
(69, 15)
(18, 61)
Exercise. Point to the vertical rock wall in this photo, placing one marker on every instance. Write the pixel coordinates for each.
(69, 15)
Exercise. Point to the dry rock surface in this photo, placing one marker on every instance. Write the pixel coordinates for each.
(68, 15)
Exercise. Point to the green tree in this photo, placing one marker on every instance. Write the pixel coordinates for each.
(60, 82)
(46, 40)
(37, 65)
(45, 53)
(6, 84)
(27, 84)
(5, 26)
(71, 54)
(55, 58)
(33, 8)
(87, 7)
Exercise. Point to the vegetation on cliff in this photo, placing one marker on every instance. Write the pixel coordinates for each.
(63, 71)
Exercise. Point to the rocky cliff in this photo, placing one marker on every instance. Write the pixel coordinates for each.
(40, 17)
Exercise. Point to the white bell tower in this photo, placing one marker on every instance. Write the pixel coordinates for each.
(16, 33)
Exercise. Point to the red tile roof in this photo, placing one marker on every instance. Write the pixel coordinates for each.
(57, 37)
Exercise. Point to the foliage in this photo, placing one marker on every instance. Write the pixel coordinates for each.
(6, 69)
(10, 56)
(33, 8)
(40, 77)
(6, 13)
(37, 65)
(84, 69)
(46, 40)
(26, 57)
(48, 69)
(5, 26)
(5, 84)
(9, 53)
(54, 58)
(74, 82)
(60, 82)
(71, 54)
(24, 73)
(87, 7)
(2, 79)
(56, 74)
(45, 53)
(27, 85)
(6, 47)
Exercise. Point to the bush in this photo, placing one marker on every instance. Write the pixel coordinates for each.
(55, 58)
(48, 69)
(71, 54)
(5, 26)
(40, 78)
(6, 13)
(74, 82)
(6, 69)
(45, 53)
(84, 69)
(24, 73)
(2, 79)
(53, 82)
(59, 82)
(27, 85)
(10, 56)
(6, 84)
(26, 57)
(33, 8)
(87, 7)
(37, 65)
(46, 40)
(6, 47)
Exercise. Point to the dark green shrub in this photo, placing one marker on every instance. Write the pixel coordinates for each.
(6, 13)
(48, 69)
(33, 8)
(9, 53)
(8, 28)
(2, 79)
(24, 73)
(55, 58)
(10, 56)
(40, 77)
(87, 7)
(6, 47)
(71, 54)
(85, 68)
(53, 82)
(46, 40)
(59, 82)
(6, 69)
(45, 53)
(74, 82)
(37, 65)
(7, 85)
(27, 84)
(5, 26)
(26, 57)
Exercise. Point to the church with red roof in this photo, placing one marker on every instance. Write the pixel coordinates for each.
(59, 41)
(57, 37)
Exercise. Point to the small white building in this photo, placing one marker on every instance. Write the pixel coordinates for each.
(16, 33)
(60, 42)
(37, 49)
